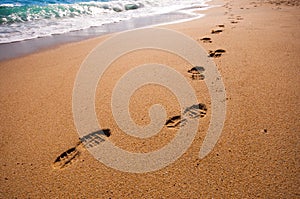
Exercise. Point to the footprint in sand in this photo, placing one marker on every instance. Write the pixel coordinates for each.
(239, 18)
(206, 40)
(216, 31)
(175, 122)
(196, 73)
(95, 138)
(221, 25)
(192, 112)
(71, 155)
(67, 157)
(216, 53)
(196, 110)
(236, 19)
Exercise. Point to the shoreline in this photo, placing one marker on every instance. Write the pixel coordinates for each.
(256, 156)
(25, 47)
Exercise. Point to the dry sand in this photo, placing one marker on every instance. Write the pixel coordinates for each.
(257, 154)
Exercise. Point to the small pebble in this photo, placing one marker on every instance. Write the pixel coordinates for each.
(264, 131)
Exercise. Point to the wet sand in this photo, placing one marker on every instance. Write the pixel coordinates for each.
(257, 154)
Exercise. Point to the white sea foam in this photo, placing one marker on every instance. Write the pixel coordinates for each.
(62, 18)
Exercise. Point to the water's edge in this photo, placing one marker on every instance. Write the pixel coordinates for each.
(25, 47)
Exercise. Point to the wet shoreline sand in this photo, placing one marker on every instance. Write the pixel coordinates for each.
(26, 47)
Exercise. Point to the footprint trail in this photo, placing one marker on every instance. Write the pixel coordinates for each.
(71, 155)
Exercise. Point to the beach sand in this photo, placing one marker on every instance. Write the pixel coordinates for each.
(257, 154)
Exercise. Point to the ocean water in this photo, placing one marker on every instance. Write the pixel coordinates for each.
(27, 19)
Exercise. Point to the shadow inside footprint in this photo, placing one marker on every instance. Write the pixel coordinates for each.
(198, 77)
(66, 157)
(197, 69)
(221, 25)
(216, 53)
(175, 122)
(70, 155)
(196, 110)
(206, 40)
(216, 31)
(196, 73)
(220, 51)
(94, 138)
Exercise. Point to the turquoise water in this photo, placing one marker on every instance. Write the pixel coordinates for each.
(22, 11)
(27, 19)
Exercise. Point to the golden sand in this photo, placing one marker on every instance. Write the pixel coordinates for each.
(257, 154)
